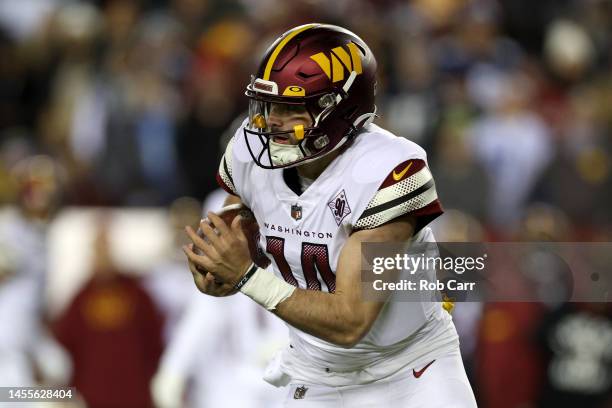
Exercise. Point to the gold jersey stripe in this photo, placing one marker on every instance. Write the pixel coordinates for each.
(280, 46)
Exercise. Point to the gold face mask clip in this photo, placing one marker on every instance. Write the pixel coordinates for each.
(259, 121)
(299, 132)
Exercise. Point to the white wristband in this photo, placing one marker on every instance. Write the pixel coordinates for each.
(267, 289)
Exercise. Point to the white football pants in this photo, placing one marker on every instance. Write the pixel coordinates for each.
(442, 384)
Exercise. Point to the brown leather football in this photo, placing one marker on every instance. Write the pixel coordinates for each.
(249, 227)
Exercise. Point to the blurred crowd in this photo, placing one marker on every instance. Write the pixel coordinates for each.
(128, 103)
(512, 100)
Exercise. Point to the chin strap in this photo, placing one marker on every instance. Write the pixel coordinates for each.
(282, 154)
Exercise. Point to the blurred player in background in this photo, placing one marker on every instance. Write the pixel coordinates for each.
(28, 355)
(167, 283)
(321, 179)
(217, 349)
(113, 332)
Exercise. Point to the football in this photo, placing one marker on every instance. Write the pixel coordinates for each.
(249, 227)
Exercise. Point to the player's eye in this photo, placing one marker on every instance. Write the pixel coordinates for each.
(285, 109)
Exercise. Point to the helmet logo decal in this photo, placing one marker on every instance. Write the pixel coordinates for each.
(340, 60)
(294, 90)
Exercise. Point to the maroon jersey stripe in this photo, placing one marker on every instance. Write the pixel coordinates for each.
(223, 185)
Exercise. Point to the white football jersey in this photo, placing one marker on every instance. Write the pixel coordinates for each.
(23, 242)
(379, 177)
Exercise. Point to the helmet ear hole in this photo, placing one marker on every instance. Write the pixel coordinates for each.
(327, 101)
(321, 142)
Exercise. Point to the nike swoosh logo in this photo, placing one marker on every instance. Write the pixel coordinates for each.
(419, 373)
(398, 176)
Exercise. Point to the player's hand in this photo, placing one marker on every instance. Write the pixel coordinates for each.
(225, 252)
(205, 282)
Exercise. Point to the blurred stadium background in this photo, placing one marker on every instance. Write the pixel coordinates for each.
(113, 114)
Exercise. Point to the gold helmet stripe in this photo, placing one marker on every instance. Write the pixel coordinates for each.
(280, 46)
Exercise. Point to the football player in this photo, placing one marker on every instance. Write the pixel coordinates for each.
(26, 346)
(321, 179)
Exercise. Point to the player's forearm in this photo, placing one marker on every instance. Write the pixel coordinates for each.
(327, 316)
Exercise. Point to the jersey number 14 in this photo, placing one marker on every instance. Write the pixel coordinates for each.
(315, 259)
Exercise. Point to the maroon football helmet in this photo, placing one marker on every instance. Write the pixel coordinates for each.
(322, 69)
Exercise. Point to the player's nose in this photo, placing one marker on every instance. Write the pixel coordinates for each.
(275, 121)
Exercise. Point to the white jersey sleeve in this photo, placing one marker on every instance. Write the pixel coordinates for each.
(393, 179)
(225, 176)
(236, 167)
